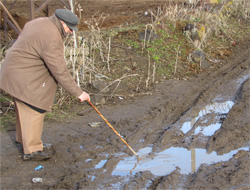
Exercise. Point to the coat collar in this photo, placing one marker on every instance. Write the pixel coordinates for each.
(58, 24)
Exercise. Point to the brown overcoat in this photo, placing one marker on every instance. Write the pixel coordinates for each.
(35, 64)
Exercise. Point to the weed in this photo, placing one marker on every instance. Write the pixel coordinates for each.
(106, 52)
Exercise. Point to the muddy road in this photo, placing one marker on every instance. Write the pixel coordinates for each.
(189, 134)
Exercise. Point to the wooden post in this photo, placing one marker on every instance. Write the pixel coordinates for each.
(5, 27)
(47, 10)
(17, 30)
(68, 7)
(5, 16)
(42, 6)
(32, 9)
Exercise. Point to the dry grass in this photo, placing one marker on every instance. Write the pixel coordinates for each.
(90, 57)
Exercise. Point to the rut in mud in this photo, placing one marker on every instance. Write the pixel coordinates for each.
(189, 134)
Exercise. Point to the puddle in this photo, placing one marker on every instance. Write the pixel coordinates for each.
(205, 121)
(243, 78)
(100, 164)
(208, 123)
(207, 131)
(166, 161)
(88, 160)
(92, 178)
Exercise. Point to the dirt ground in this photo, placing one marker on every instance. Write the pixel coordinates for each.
(115, 12)
(188, 134)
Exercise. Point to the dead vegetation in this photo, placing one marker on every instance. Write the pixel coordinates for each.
(132, 57)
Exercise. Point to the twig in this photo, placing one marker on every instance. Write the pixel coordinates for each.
(154, 69)
(109, 53)
(176, 62)
(149, 65)
(13, 20)
(119, 81)
(8, 109)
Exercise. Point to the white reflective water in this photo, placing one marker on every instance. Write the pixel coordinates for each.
(217, 108)
(208, 131)
(166, 161)
(100, 164)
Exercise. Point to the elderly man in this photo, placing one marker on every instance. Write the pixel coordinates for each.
(32, 68)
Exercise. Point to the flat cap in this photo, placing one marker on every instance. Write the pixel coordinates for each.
(68, 18)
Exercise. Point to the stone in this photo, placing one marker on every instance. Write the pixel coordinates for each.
(198, 56)
(100, 86)
(150, 35)
(195, 34)
(85, 111)
(189, 27)
(95, 124)
(98, 99)
(205, 64)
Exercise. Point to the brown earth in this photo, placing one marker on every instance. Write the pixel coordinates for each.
(175, 115)
(113, 13)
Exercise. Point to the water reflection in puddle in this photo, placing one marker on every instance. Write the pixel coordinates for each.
(219, 109)
(100, 164)
(166, 161)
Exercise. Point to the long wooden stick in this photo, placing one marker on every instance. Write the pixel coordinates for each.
(112, 127)
(13, 20)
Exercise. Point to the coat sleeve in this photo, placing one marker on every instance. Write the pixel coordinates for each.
(53, 56)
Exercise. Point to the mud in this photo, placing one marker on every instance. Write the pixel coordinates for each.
(170, 157)
(189, 134)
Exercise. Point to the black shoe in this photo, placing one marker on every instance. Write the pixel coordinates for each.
(36, 156)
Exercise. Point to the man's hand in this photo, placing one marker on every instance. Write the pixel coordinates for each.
(84, 96)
